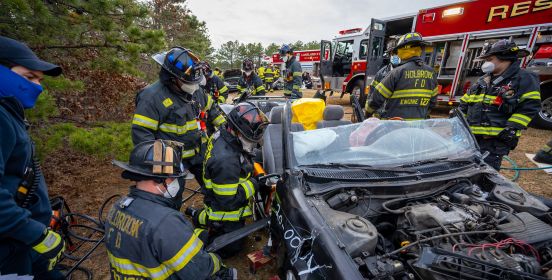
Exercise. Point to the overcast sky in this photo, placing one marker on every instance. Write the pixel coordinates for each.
(286, 21)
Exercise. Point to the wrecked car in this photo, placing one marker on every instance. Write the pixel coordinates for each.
(398, 200)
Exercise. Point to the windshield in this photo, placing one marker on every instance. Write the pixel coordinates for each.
(384, 143)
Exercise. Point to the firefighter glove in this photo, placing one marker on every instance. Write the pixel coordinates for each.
(508, 135)
(50, 246)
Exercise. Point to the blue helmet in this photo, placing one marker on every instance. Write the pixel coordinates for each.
(284, 49)
(181, 63)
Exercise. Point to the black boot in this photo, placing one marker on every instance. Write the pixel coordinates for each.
(226, 274)
(543, 157)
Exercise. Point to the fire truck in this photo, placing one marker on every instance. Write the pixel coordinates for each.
(457, 33)
(307, 58)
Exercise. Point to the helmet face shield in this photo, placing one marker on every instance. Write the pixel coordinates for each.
(180, 63)
(249, 121)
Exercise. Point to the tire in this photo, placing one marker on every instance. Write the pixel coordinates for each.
(544, 117)
(358, 91)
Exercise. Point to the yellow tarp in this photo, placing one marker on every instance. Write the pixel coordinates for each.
(308, 111)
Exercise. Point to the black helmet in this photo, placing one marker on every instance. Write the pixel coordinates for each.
(152, 159)
(503, 50)
(181, 63)
(249, 120)
(206, 68)
(410, 39)
(248, 65)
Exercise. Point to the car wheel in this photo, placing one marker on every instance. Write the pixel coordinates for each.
(544, 117)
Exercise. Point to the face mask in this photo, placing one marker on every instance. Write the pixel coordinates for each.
(488, 67)
(203, 81)
(285, 58)
(12, 84)
(395, 60)
(248, 73)
(172, 189)
(189, 88)
(247, 145)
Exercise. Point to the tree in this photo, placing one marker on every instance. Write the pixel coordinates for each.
(253, 51)
(271, 49)
(228, 55)
(312, 45)
(105, 33)
(181, 27)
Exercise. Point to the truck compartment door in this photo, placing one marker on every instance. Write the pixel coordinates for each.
(374, 58)
(326, 58)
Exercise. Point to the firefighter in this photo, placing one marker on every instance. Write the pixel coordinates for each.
(214, 85)
(147, 237)
(502, 102)
(269, 77)
(292, 77)
(175, 108)
(249, 81)
(218, 72)
(27, 245)
(410, 90)
(390, 61)
(229, 175)
(544, 155)
(261, 72)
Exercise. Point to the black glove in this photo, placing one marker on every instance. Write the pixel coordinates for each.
(226, 273)
(51, 246)
(509, 136)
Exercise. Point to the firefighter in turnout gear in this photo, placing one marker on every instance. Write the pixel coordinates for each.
(390, 61)
(410, 90)
(229, 175)
(175, 108)
(502, 102)
(249, 81)
(147, 237)
(27, 245)
(214, 85)
(261, 73)
(269, 77)
(293, 73)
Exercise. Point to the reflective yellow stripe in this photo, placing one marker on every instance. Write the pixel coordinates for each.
(198, 231)
(202, 219)
(188, 153)
(374, 83)
(520, 118)
(435, 91)
(383, 90)
(296, 87)
(259, 88)
(297, 74)
(221, 99)
(165, 269)
(465, 98)
(530, 95)
(50, 241)
(223, 89)
(179, 129)
(229, 215)
(144, 121)
(409, 95)
(489, 130)
(216, 263)
(249, 189)
(209, 103)
(219, 120)
(231, 189)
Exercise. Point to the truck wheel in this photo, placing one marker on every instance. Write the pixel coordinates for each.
(358, 91)
(544, 117)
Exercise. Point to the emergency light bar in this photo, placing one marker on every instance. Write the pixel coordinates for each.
(350, 31)
(453, 12)
(428, 17)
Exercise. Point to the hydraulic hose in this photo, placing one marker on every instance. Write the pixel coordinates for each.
(517, 169)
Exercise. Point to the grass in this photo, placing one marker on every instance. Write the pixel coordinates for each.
(106, 140)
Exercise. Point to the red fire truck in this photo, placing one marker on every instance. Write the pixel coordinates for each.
(457, 33)
(308, 59)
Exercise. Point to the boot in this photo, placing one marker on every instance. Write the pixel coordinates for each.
(544, 155)
(226, 274)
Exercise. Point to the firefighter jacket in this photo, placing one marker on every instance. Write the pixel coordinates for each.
(228, 180)
(18, 225)
(261, 72)
(216, 88)
(252, 83)
(509, 100)
(146, 238)
(162, 114)
(408, 91)
(380, 75)
(269, 75)
(292, 79)
(276, 73)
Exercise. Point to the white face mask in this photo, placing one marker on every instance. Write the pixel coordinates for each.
(285, 58)
(247, 145)
(203, 81)
(248, 73)
(189, 88)
(395, 60)
(488, 67)
(172, 189)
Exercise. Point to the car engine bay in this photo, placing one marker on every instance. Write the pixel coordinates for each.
(468, 228)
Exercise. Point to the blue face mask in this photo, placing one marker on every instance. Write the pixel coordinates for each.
(395, 60)
(12, 84)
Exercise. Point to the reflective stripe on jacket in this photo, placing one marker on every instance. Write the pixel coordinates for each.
(253, 83)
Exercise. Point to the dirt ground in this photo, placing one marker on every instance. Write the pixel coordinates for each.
(86, 182)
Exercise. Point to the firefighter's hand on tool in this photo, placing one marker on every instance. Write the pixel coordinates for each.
(508, 134)
(50, 246)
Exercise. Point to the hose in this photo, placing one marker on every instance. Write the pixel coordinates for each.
(517, 169)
